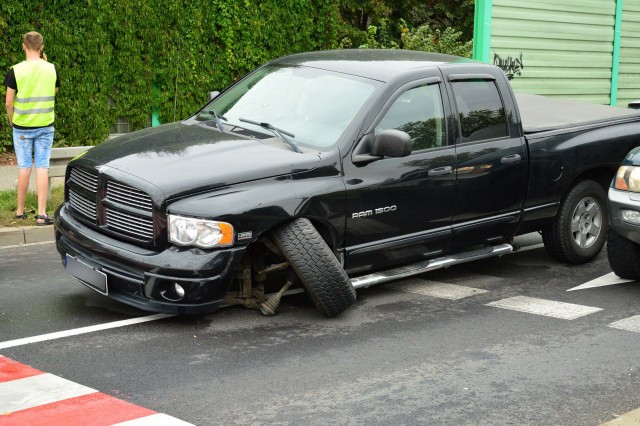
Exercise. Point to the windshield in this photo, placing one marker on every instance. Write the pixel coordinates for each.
(314, 105)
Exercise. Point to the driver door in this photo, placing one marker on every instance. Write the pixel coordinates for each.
(400, 210)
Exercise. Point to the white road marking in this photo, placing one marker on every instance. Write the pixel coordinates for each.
(627, 419)
(29, 396)
(38, 390)
(628, 324)
(437, 289)
(82, 330)
(155, 420)
(609, 279)
(548, 308)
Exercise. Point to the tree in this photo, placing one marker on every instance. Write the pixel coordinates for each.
(428, 40)
(358, 15)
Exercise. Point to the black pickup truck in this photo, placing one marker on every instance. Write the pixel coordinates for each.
(331, 171)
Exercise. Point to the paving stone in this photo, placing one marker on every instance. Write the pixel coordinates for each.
(38, 234)
(11, 236)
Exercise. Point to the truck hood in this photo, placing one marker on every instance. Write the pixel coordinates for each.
(181, 158)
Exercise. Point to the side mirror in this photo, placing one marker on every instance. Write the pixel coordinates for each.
(213, 95)
(391, 143)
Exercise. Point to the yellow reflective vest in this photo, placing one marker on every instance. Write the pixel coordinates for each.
(35, 97)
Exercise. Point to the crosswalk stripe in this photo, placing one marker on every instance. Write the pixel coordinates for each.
(101, 409)
(30, 396)
(12, 370)
(436, 289)
(628, 324)
(155, 420)
(549, 308)
(38, 390)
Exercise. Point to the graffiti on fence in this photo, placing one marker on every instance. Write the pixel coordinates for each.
(512, 66)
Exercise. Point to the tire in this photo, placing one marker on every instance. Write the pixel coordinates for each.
(624, 256)
(322, 276)
(579, 230)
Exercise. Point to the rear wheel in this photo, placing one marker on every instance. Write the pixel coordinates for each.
(624, 256)
(579, 230)
(322, 276)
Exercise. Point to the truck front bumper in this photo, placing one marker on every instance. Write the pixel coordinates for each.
(623, 200)
(148, 279)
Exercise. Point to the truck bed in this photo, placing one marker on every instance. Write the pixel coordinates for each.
(544, 114)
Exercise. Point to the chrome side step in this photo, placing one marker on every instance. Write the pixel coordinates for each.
(429, 265)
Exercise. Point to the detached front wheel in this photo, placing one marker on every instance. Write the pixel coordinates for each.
(579, 230)
(322, 276)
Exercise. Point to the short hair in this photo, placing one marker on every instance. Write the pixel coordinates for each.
(33, 41)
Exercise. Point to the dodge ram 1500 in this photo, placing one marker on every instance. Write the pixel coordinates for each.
(335, 170)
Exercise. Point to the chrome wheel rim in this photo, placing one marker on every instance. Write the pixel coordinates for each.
(586, 222)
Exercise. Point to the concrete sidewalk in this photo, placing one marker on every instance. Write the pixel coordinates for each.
(26, 235)
(23, 234)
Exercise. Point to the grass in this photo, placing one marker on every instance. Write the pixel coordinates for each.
(9, 203)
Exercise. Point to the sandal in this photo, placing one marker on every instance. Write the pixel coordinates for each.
(21, 216)
(47, 220)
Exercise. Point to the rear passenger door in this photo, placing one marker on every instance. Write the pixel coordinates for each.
(491, 158)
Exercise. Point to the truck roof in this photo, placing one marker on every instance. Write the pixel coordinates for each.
(538, 113)
(542, 114)
(377, 64)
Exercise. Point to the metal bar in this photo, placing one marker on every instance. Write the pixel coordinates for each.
(482, 30)
(429, 265)
(615, 66)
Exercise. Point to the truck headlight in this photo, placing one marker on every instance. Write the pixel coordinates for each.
(190, 231)
(628, 179)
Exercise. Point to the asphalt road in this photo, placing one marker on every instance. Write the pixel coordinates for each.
(413, 352)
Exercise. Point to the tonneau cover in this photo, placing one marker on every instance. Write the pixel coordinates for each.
(541, 113)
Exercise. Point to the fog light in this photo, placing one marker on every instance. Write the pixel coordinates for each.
(173, 292)
(179, 290)
(630, 216)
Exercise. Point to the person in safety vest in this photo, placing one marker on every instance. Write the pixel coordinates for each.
(31, 89)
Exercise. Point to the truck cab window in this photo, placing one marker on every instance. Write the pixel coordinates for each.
(418, 112)
(480, 110)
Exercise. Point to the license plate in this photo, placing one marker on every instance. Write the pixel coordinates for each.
(87, 275)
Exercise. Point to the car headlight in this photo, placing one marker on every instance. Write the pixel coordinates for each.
(190, 231)
(628, 179)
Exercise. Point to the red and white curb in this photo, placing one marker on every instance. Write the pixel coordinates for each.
(32, 397)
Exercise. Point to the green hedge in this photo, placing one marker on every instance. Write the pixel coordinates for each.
(121, 58)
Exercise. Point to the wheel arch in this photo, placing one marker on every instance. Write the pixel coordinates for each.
(328, 232)
(601, 175)
(570, 237)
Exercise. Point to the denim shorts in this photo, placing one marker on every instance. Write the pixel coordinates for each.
(33, 144)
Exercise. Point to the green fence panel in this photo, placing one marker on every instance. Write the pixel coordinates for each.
(629, 68)
(558, 48)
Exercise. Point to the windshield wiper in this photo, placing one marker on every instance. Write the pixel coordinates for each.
(216, 117)
(282, 134)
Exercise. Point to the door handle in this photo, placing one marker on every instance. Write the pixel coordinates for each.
(514, 158)
(441, 171)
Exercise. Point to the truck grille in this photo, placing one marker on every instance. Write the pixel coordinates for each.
(120, 209)
(128, 196)
(82, 205)
(84, 179)
(128, 224)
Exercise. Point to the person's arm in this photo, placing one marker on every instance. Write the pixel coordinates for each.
(11, 94)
